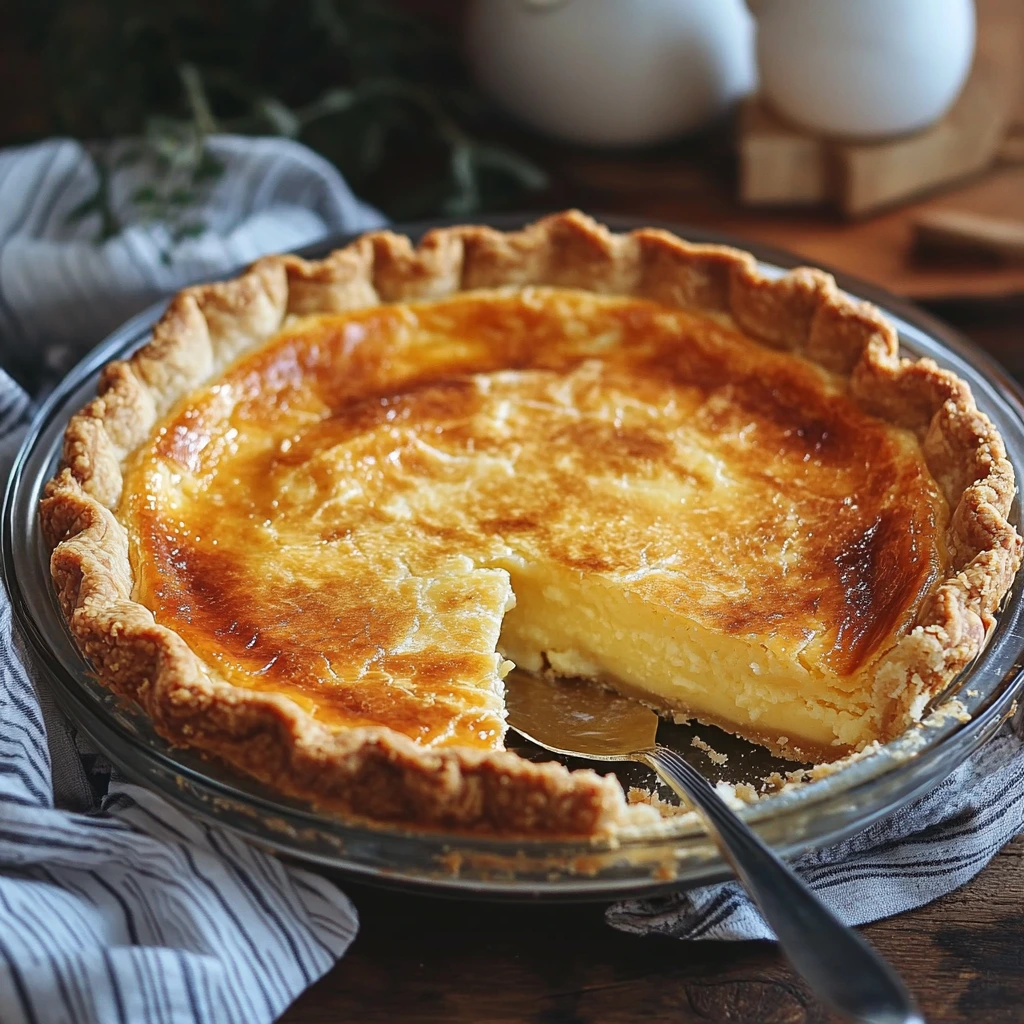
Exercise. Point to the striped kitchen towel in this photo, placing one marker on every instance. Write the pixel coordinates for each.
(60, 292)
(124, 910)
(920, 853)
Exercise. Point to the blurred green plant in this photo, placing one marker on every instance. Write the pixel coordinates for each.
(381, 94)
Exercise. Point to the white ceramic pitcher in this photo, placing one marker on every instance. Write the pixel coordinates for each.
(864, 68)
(612, 72)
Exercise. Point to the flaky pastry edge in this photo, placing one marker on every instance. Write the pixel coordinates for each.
(377, 772)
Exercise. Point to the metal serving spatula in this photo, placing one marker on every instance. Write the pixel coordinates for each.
(586, 721)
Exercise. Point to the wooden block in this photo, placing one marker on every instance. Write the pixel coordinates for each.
(782, 165)
(1011, 149)
(962, 233)
(778, 165)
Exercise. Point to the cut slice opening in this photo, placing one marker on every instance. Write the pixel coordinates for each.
(574, 624)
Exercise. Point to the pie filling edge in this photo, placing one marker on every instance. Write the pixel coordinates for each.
(377, 772)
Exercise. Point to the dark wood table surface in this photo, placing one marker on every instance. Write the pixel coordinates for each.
(422, 960)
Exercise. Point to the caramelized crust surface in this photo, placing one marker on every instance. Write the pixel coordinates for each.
(333, 518)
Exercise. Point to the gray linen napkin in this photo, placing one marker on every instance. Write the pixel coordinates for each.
(122, 909)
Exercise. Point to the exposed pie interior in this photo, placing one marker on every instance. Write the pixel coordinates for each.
(312, 525)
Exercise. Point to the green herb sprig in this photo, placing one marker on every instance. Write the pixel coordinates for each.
(379, 93)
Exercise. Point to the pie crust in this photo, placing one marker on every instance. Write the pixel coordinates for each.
(378, 772)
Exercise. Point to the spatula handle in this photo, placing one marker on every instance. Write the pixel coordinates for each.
(841, 968)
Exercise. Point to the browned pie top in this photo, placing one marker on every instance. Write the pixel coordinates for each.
(332, 513)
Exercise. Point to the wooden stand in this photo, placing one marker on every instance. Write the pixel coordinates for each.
(781, 165)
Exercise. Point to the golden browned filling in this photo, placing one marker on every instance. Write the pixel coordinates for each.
(348, 514)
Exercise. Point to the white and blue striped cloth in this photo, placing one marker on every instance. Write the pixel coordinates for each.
(922, 852)
(60, 293)
(127, 911)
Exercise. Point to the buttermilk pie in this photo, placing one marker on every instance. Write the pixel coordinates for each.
(311, 525)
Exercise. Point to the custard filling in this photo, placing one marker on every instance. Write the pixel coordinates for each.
(377, 512)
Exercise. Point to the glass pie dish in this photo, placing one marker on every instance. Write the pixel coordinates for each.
(673, 852)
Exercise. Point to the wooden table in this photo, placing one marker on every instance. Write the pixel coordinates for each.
(419, 960)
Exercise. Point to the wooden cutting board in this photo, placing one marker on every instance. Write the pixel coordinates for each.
(882, 249)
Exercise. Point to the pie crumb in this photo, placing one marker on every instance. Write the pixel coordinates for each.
(713, 754)
(636, 795)
(746, 792)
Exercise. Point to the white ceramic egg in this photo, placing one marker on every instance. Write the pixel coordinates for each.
(864, 68)
(612, 72)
